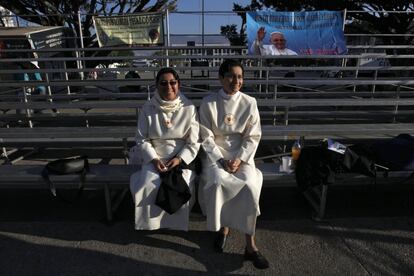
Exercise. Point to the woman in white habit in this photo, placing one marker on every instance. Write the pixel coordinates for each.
(167, 134)
(230, 186)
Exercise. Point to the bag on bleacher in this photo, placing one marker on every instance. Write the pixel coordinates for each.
(75, 165)
(396, 154)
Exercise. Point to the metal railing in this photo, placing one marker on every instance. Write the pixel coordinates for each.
(311, 70)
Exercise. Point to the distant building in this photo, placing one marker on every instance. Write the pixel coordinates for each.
(210, 40)
(186, 42)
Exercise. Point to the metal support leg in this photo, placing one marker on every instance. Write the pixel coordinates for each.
(118, 200)
(109, 215)
(274, 108)
(318, 201)
(322, 206)
(34, 151)
(125, 150)
(286, 116)
(5, 155)
(397, 97)
(310, 198)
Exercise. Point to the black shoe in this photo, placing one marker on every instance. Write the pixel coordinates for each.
(259, 261)
(220, 242)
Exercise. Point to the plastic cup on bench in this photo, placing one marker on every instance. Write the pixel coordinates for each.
(286, 164)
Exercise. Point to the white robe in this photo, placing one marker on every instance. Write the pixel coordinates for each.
(163, 136)
(230, 129)
(258, 48)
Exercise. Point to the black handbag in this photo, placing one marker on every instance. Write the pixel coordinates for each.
(75, 165)
(173, 191)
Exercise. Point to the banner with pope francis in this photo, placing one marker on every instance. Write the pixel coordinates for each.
(295, 33)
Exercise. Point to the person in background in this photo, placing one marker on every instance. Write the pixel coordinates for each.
(154, 36)
(131, 75)
(230, 185)
(276, 48)
(166, 141)
(27, 76)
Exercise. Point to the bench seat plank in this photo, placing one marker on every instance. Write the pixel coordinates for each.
(94, 104)
(8, 136)
(29, 176)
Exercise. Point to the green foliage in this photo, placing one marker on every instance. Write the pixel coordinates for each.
(230, 31)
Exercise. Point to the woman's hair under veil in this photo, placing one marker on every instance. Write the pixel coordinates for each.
(227, 65)
(167, 70)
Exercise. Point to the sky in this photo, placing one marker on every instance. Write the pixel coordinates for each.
(191, 23)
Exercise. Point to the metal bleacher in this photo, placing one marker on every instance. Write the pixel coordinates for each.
(324, 96)
(341, 96)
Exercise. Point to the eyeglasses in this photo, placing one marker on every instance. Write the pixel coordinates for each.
(282, 40)
(165, 83)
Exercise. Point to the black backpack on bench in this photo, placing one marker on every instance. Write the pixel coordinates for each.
(396, 154)
(75, 165)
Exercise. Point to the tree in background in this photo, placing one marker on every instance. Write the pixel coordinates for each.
(64, 13)
(230, 31)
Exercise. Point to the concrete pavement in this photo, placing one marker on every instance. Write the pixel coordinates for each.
(368, 232)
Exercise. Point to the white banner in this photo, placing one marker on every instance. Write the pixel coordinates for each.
(133, 29)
